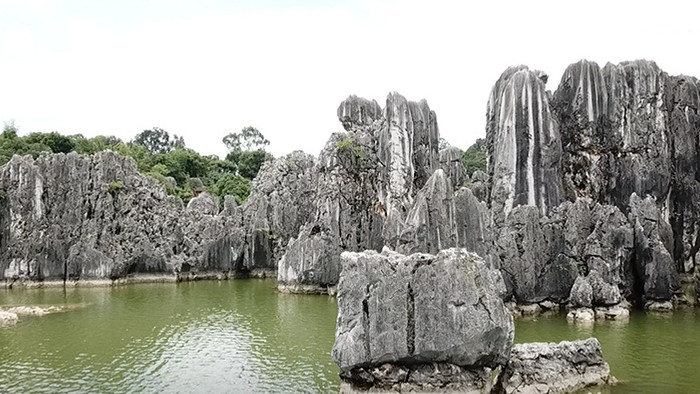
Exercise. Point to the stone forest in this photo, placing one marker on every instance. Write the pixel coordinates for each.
(589, 207)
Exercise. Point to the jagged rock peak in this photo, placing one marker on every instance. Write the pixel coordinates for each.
(583, 91)
(358, 111)
(523, 144)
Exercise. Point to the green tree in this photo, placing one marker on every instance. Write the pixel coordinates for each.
(56, 142)
(247, 151)
(232, 185)
(474, 158)
(157, 140)
(247, 140)
(249, 162)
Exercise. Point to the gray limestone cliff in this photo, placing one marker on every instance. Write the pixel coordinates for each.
(436, 323)
(73, 217)
(365, 182)
(281, 201)
(523, 144)
(632, 128)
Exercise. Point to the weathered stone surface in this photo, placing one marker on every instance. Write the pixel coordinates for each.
(522, 249)
(311, 263)
(523, 144)
(475, 229)
(407, 149)
(451, 164)
(347, 192)
(603, 293)
(430, 224)
(75, 217)
(355, 111)
(479, 185)
(281, 201)
(581, 293)
(204, 203)
(563, 367)
(653, 268)
(418, 309)
(423, 378)
(631, 128)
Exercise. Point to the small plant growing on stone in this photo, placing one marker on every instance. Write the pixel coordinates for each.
(115, 186)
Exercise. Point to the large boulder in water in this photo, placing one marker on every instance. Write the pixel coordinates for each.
(416, 310)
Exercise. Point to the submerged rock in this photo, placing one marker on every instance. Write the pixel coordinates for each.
(418, 310)
(563, 367)
(8, 318)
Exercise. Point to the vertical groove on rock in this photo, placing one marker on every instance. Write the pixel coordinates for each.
(411, 323)
(365, 321)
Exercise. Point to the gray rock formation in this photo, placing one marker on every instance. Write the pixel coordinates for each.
(542, 256)
(204, 203)
(653, 267)
(311, 263)
(563, 367)
(581, 293)
(281, 201)
(366, 179)
(74, 217)
(418, 309)
(355, 111)
(523, 144)
(479, 185)
(451, 164)
(631, 128)
(430, 224)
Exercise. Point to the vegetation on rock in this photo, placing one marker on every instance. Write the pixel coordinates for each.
(474, 158)
(160, 155)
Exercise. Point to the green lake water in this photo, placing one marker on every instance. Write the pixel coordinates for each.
(242, 336)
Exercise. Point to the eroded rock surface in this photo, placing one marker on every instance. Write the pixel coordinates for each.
(311, 263)
(418, 309)
(563, 367)
(73, 217)
(523, 144)
(281, 201)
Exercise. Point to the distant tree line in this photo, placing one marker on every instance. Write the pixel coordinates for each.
(160, 155)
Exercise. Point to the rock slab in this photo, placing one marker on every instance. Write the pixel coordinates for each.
(562, 367)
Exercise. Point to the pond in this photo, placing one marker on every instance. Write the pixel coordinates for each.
(243, 336)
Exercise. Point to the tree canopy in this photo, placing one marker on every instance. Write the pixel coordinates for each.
(474, 158)
(157, 140)
(159, 155)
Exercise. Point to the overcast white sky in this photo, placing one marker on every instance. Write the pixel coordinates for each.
(202, 69)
